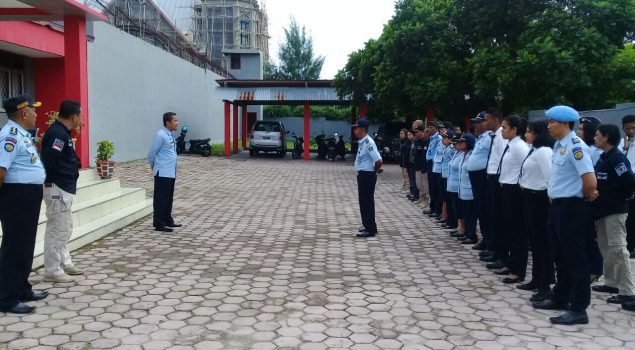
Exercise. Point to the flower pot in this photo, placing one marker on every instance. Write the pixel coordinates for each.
(105, 169)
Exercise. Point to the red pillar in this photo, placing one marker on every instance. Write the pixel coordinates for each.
(353, 120)
(363, 110)
(467, 124)
(235, 126)
(227, 128)
(307, 129)
(429, 114)
(244, 127)
(76, 77)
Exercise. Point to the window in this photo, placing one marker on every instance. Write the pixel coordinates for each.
(235, 61)
(244, 25)
(11, 83)
(245, 40)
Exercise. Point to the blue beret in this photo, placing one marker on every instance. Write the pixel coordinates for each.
(563, 114)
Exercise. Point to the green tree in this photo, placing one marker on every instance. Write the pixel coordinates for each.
(623, 71)
(296, 56)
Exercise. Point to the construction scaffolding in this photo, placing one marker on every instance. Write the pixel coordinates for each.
(230, 24)
(147, 21)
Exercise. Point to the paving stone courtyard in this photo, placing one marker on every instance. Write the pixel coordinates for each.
(267, 259)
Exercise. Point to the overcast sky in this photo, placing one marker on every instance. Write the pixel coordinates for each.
(338, 27)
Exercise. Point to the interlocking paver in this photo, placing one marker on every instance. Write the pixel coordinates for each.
(267, 260)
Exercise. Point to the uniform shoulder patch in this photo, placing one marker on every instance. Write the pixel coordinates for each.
(577, 153)
(370, 148)
(620, 169)
(13, 131)
(575, 140)
(11, 139)
(58, 145)
(9, 147)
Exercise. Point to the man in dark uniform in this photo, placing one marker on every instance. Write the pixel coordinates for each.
(368, 164)
(62, 171)
(21, 178)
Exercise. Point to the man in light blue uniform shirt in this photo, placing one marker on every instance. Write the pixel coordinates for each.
(163, 160)
(434, 178)
(368, 164)
(477, 168)
(572, 183)
(22, 177)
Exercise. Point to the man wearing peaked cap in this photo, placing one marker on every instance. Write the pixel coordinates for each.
(21, 178)
(572, 183)
(368, 164)
(590, 120)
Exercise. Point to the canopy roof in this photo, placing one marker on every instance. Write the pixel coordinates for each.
(282, 92)
(46, 10)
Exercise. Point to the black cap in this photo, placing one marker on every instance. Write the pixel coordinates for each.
(362, 123)
(16, 103)
(590, 120)
(419, 128)
(479, 118)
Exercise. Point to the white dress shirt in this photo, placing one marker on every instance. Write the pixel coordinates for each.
(630, 152)
(498, 147)
(536, 170)
(512, 161)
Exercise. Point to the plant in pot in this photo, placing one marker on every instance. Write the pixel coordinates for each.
(105, 166)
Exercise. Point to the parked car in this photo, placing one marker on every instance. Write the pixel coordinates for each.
(389, 142)
(268, 136)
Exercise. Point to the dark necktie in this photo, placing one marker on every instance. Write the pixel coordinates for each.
(521, 167)
(491, 145)
(500, 164)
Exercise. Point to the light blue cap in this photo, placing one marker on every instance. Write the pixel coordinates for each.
(563, 114)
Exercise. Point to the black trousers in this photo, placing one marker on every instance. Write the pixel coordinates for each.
(163, 198)
(513, 231)
(366, 181)
(536, 213)
(19, 214)
(630, 226)
(451, 220)
(478, 179)
(454, 203)
(569, 243)
(412, 175)
(434, 186)
(596, 261)
(494, 220)
(469, 217)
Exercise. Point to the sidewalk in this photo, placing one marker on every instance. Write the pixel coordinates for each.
(267, 260)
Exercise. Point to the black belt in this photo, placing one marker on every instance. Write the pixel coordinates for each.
(565, 200)
(366, 171)
(48, 184)
(509, 185)
(533, 191)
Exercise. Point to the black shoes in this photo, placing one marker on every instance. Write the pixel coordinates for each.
(527, 286)
(630, 306)
(35, 296)
(163, 229)
(549, 304)
(488, 259)
(502, 272)
(485, 253)
(496, 265)
(469, 241)
(19, 309)
(479, 246)
(362, 230)
(175, 225)
(570, 318)
(621, 299)
(512, 280)
(541, 296)
(605, 289)
(365, 234)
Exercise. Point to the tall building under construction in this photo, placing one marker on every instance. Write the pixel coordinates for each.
(220, 25)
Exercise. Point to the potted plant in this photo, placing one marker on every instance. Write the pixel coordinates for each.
(105, 166)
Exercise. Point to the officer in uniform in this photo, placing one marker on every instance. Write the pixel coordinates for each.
(572, 183)
(163, 160)
(477, 168)
(21, 178)
(62, 171)
(433, 178)
(368, 164)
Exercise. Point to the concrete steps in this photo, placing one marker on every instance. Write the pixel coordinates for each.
(100, 207)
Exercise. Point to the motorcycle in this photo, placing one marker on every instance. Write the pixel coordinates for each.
(322, 146)
(330, 142)
(298, 147)
(340, 146)
(201, 147)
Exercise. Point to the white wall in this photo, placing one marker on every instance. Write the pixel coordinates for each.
(132, 83)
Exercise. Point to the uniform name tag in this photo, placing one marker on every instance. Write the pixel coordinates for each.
(621, 169)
